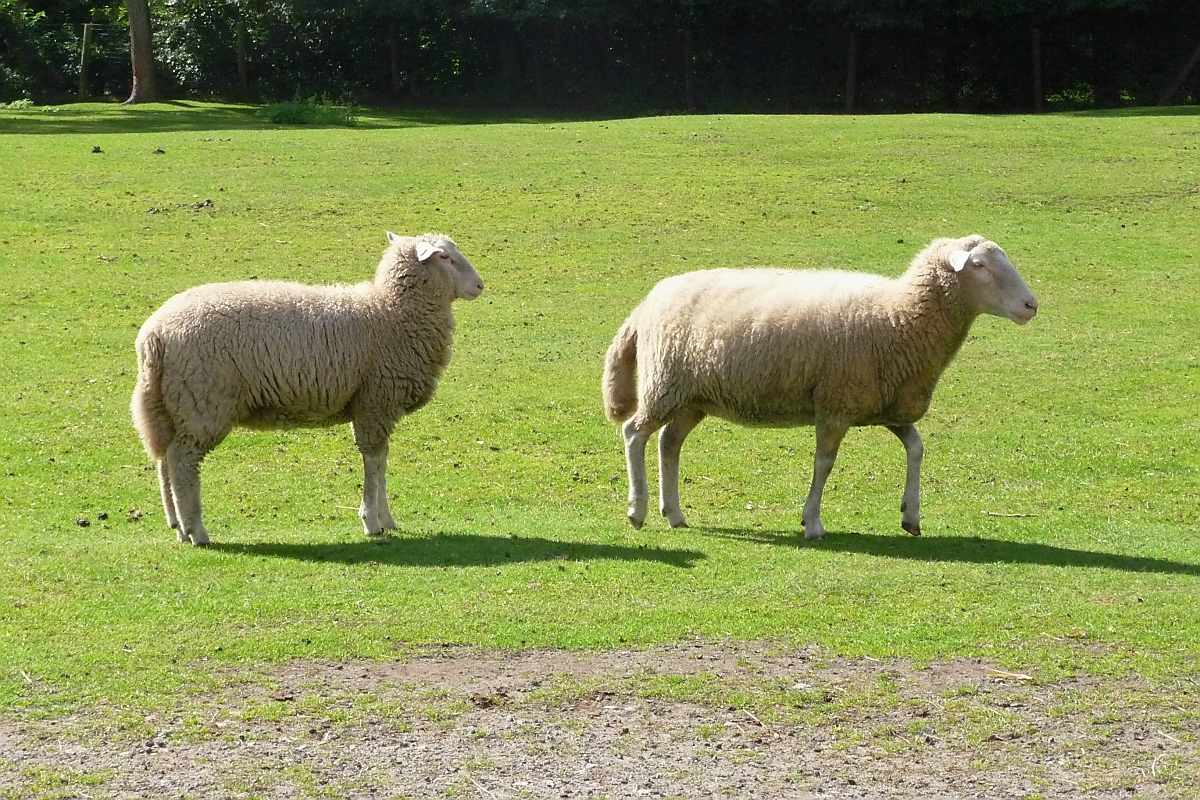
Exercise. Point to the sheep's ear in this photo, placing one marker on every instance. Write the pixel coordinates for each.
(426, 251)
(958, 259)
(392, 237)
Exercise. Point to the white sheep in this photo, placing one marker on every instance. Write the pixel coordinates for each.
(286, 355)
(780, 348)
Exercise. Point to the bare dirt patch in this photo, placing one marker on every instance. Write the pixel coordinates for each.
(702, 720)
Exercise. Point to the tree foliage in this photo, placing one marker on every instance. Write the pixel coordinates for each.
(636, 55)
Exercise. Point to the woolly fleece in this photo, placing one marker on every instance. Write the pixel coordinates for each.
(777, 347)
(282, 355)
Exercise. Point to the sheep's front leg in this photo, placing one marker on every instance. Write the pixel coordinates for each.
(374, 512)
(910, 504)
(183, 475)
(372, 440)
(635, 461)
(385, 511)
(670, 442)
(828, 442)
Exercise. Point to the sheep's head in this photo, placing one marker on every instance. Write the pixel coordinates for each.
(991, 281)
(439, 252)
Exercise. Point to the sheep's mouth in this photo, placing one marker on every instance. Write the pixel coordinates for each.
(1023, 316)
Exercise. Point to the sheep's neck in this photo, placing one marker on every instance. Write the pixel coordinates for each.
(926, 339)
(422, 330)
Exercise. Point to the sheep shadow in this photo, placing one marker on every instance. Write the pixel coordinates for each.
(962, 549)
(460, 550)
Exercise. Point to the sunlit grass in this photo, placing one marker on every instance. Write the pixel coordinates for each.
(1061, 498)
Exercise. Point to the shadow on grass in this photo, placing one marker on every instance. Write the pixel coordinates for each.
(104, 118)
(185, 115)
(112, 118)
(1140, 111)
(963, 549)
(460, 550)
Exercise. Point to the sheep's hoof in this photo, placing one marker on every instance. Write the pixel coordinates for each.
(635, 522)
(197, 535)
(675, 519)
(815, 535)
(913, 528)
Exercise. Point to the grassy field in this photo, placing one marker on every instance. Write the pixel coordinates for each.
(1062, 475)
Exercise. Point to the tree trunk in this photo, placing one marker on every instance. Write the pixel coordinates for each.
(851, 70)
(536, 40)
(1035, 52)
(394, 59)
(509, 55)
(85, 57)
(141, 53)
(689, 69)
(1183, 76)
(243, 60)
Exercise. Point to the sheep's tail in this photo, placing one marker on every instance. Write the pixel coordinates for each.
(150, 415)
(620, 374)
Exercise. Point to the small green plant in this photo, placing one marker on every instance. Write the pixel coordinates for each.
(308, 112)
(24, 104)
(1076, 97)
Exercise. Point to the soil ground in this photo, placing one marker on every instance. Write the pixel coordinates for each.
(697, 720)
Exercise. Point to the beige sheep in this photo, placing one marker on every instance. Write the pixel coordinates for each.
(780, 348)
(286, 355)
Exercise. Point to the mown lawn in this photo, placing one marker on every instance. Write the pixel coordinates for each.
(1062, 475)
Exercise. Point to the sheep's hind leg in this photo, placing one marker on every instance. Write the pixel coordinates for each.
(670, 442)
(910, 504)
(828, 442)
(635, 460)
(164, 488)
(183, 471)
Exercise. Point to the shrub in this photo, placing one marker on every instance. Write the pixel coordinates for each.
(307, 112)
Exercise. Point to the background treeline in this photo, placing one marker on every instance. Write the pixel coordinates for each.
(631, 55)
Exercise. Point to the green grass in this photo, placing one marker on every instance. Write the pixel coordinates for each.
(510, 487)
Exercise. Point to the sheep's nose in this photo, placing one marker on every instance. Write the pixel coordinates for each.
(1029, 311)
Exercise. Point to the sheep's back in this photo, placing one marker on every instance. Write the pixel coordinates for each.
(269, 354)
(766, 347)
